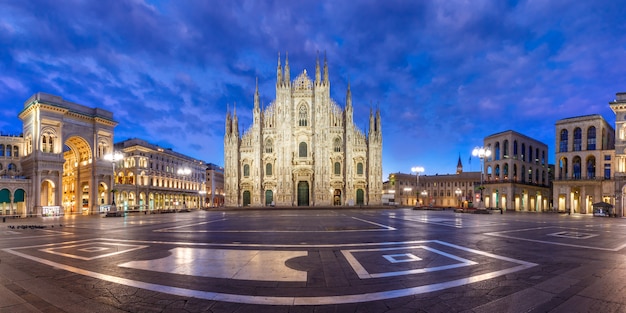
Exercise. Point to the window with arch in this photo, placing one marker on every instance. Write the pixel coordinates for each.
(16, 152)
(496, 155)
(1, 150)
(591, 167)
(9, 150)
(303, 116)
(506, 149)
(269, 146)
(337, 168)
(505, 171)
(246, 170)
(302, 150)
(359, 168)
(515, 152)
(523, 152)
(576, 167)
(591, 138)
(578, 139)
(563, 173)
(268, 169)
(337, 145)
(563, 141)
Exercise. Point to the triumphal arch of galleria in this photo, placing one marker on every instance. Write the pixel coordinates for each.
(62, 152)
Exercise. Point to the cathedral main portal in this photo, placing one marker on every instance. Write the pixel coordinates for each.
(303, 193)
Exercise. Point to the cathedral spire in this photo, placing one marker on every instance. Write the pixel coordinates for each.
(459, 166)
(235, 126)
(349, 97)
(256, 96)
(279, 72)
(378, 129)
(325, 69)
(229, 122)
(317, 69)
(287, 75)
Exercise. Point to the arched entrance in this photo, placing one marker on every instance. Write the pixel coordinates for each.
(269, 197)
(303, 193)
(47, 193)
(337, 197)
(66, 145)
(5, 201)
(246, 198)
(360, 197)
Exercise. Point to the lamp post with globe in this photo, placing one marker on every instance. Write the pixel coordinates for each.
(417, 170)
(481, 153)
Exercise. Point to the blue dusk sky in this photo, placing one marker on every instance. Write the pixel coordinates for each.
(444, 73)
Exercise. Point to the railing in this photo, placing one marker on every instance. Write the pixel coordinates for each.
(580, 178)
(511, 181)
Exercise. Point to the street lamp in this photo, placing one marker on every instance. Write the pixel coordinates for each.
(417, 170)
(481, 153)
(457, 192)
(113, 158)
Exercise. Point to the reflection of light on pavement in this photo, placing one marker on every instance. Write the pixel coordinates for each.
(261, 265)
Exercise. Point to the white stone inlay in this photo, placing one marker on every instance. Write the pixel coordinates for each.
(94, 249)
(573, 235)
(263, 265)
(401, 258)
(363, 273)
(66, 250)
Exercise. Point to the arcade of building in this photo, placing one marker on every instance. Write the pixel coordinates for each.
(62, 164)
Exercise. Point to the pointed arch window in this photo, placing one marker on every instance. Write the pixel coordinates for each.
(268, 169)
(337, 145)
(302, 150)
(303, 116)
(269, 146)
(246, 170)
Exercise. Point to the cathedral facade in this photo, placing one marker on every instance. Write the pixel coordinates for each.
(302, 149)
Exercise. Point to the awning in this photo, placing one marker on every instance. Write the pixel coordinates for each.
(5, 196)
(19, 196)
(602, 205)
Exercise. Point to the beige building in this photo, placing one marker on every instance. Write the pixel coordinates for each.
(302, 149)
(59, 165)
(447, 190)
(517, 175)
(584, 161)
(619, 108)
(152, 178)
(13, 185)
(214, 185)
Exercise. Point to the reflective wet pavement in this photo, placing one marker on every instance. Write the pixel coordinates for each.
(396, 260)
